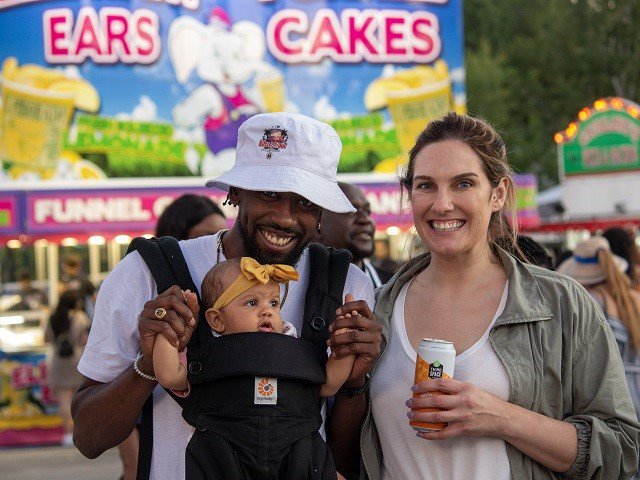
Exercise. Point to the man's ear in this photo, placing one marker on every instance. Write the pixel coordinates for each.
(215, 320)
(233, 196)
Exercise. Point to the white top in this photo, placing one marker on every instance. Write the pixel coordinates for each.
(114, 339)
(408, 457)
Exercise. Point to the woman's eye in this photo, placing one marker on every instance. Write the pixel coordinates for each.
(423, 186)
(465, 184)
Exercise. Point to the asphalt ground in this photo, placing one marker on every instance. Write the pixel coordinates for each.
(57, 463)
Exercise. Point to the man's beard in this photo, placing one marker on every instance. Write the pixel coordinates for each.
(358, 253)
(250, 247)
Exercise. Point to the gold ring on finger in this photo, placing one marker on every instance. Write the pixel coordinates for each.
(160, 313)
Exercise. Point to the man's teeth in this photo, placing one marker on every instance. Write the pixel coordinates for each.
(279, 241)
(447, 226)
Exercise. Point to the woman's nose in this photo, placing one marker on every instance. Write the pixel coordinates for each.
(443, 202)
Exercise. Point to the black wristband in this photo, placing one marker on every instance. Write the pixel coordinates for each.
(351, 392)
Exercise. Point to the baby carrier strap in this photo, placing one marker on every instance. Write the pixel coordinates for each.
(168, 267)
(257, 354)
(327, 276)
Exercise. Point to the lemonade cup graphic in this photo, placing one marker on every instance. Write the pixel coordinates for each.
(32, 126)
(272, 90)
(412, 108)
(413, 97)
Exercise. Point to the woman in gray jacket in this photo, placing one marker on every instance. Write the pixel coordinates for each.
(538, 390)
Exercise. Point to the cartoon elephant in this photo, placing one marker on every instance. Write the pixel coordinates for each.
(224, 57)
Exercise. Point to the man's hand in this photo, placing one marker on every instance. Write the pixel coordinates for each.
(177, 325)
(363, 339)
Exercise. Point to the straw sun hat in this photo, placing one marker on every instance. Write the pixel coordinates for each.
(583, 265)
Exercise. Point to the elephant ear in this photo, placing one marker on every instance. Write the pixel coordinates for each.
(186, 38)
(253, 39)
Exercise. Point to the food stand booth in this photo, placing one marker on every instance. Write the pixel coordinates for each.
(111, 108)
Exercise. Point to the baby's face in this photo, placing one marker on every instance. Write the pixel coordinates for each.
(255, 310)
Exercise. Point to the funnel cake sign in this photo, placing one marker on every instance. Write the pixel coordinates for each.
(99, 89)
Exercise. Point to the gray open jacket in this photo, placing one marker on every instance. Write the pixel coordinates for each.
(562, 362)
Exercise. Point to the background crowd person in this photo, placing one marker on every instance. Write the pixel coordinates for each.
(31, 298)
(74, 279)
(382, 256)
(280, 197)
(67, 332)
(538, 386)
(602, 273)
(355, 232)
(623, 244)
(534, 252)
(191, 216)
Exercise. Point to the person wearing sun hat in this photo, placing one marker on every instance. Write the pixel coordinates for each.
(601, 272)
(587, 266)
(283, 177)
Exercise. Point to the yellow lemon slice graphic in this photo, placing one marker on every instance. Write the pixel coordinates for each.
(37, 76)
(87, 170)
(375, 97)
(10, 68)
(85, 98)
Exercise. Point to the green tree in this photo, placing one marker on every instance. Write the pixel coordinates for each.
(533, 64)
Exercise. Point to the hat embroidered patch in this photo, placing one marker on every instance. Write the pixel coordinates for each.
(273, 140)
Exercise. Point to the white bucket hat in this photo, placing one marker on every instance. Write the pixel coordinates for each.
(584, 266)
(288, 152)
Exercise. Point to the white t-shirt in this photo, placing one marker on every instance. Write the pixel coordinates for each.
(408, 457)
(114, 339)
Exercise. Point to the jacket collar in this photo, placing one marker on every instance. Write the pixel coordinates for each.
(525, 302)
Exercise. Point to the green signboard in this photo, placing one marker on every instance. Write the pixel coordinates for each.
(606, 140)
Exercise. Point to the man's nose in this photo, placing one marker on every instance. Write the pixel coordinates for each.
(362, 216)
(284, 214)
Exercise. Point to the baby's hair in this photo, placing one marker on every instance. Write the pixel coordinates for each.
(218, 279)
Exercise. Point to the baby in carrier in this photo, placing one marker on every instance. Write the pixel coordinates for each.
(253, 395)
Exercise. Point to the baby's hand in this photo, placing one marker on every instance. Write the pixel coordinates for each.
(342, 330)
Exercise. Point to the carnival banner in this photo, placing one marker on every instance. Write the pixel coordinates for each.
(97, 89)
(28, 408)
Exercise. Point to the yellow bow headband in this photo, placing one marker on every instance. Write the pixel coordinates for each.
(252, 273)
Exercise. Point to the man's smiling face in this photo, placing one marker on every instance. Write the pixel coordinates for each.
(275, 226)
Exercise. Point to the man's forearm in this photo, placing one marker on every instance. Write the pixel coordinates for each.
(104, 414)
(343, 432)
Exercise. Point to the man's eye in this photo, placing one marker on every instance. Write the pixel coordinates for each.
(306, 203)
(270, 194)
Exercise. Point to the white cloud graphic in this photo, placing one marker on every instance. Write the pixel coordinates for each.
(145, 111)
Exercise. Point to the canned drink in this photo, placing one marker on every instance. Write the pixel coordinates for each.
(435, 359)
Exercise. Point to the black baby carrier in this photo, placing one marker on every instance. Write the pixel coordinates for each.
(255, 400)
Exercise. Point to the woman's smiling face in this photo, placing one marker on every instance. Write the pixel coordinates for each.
(452, 199)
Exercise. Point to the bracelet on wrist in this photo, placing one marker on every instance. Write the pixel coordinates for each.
(351, 392)
(136, 369)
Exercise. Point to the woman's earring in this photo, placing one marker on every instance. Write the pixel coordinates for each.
(318, 227)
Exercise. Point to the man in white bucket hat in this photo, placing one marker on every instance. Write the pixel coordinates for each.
(284, 176)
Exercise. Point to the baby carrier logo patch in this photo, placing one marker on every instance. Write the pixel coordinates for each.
(273, 140)
(265, 391)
